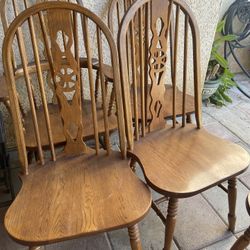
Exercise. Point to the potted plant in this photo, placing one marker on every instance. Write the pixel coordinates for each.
(218, 77)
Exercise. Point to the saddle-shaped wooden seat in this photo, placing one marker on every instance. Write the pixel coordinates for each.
(76, 196)
(188, 159)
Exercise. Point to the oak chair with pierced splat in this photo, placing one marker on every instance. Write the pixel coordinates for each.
(244, 240)
(116, 12)
(178, 160)
(80, 190)
(59, 138)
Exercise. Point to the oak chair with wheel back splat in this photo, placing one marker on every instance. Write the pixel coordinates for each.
(79, 190)
(179, 160)
(116, 12)
(59, 138)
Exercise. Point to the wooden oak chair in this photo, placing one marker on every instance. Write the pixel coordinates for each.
(178, 160)
(244, 240)
(116, 12)
(57, 130)
(78, 191)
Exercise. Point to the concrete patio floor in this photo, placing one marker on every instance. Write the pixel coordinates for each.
(202, 220)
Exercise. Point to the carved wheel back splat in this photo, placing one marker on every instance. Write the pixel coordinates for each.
(67, 79)
(160, 22)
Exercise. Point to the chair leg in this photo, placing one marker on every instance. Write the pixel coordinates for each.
(243, 241)
(232, 195)
(189, 118)
(133, 165)
(170, 222)
(134, 236)
(36, 248)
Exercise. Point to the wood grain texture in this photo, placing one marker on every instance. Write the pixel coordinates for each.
(157, 60)
(81, 190)
(178, 160)
(31, 69)
(57, 125)
(69, 198)
(117, 10)
(185, 161)
(159, 51)
(168, 103)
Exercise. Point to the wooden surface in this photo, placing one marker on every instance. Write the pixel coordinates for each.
(69, 198)
(78, 191)
(156, 53)
(178, 160)
(31, 130)
(116, 12)
(168, 103)
(244, 240)
(57, 126)
(185, 161)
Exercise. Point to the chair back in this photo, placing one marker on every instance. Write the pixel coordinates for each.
(65, 41)
(156, 21)
(8, 11)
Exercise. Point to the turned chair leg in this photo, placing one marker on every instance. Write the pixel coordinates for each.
(170, 222)
(189, 118)
(232, 195)
(134, 237)
(243, 241)
(30, 156)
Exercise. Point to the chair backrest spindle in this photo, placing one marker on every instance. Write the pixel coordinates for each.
(62, 55)
(162, 39)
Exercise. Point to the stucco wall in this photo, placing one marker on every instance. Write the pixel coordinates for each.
(206, 13)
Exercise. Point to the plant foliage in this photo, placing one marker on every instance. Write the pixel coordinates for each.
(220, 97)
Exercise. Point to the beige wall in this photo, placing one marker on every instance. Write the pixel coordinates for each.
(206, 13)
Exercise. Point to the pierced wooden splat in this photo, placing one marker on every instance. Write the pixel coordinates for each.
(158, 58)
(66, 76)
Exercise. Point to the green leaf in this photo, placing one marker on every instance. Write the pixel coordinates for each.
(215, 101)
(227, 81)
(220, 25)
(229, 37)
(228, 73)
(221, 60)
(227, 98)
(226, 38)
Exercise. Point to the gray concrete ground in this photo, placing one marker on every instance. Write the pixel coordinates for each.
(202, 220)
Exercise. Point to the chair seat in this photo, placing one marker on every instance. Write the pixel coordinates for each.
(168, 103)
(57, 126)
(77, 196)
(185, 161)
